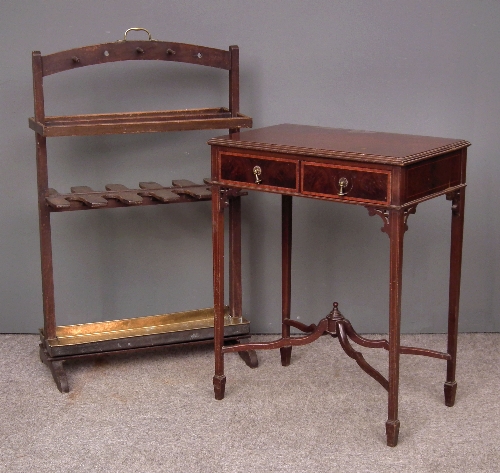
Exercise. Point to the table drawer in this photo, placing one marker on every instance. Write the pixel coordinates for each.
(346, 182)
(267, 173)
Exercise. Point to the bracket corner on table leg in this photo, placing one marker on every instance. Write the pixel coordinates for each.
(450, 392)
(57, 369)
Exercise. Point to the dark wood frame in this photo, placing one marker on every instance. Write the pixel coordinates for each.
(54, 348)
(416, 169)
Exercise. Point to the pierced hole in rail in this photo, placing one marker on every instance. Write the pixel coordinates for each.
(106, 53)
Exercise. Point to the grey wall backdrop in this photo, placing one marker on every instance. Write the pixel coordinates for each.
(406, 66)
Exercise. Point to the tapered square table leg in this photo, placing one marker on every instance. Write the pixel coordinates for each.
(457, 229)
(396, 231)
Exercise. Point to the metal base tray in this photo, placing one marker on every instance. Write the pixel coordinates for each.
(149, 331)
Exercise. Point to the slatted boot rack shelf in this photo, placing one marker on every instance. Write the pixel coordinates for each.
(61, 343)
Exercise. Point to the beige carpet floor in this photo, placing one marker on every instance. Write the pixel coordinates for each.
(156, 412)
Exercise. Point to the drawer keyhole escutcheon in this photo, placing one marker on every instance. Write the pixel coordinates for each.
(343, 183)
(257, 171)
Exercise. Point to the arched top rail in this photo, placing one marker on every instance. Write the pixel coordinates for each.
(151, 50)
(137, 122)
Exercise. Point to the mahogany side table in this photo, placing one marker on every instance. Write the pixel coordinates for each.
(389, 174)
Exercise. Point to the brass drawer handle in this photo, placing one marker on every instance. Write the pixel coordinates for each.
(343, 183)
(257, 171)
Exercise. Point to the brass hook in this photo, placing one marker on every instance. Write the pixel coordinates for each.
(137, 29)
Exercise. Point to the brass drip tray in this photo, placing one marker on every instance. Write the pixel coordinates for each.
(140, 332)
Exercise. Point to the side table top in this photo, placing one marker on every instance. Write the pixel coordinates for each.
(377, 147)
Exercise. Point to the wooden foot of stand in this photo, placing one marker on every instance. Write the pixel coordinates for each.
(392, 432)
(250, 358)
(57, 369)
(286, 355)
(450, 391)
(219, 387)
